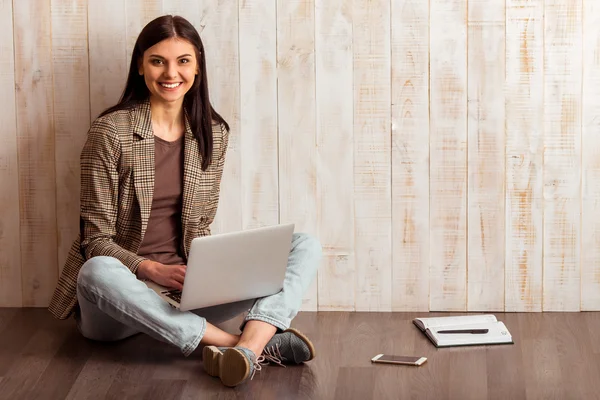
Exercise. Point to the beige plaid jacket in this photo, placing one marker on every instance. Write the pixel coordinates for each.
(117, 183)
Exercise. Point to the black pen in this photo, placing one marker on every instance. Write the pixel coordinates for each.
(465, 331)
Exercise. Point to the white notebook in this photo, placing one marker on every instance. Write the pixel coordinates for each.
(497, 331)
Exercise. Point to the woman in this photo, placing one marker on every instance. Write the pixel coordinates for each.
(150, 176)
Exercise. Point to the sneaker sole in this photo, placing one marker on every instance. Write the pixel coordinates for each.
(211, 357)
(306, 340)
(234, 368)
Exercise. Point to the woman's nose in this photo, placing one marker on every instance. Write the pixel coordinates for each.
(171, 71)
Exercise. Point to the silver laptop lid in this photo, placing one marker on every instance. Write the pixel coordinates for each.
(236, 266)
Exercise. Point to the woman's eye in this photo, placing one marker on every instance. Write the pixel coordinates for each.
(156, 61)
(184, 61)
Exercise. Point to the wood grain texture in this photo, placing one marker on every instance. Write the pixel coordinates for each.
(220, 39)
(448, 152)
(107, 40)
(32, 354)
(486, 142)
(138, 13)
(593, 328)
(197, 13)
(372, 155)
(551, 358)
(541, 350)
(590, 213)
(335, 107)
(71, 114)
(562, 155)
(36, 150)
(410, 155)
(524, 154)
(258, 113)
(10, 237)
(335, 176)
(297, 120)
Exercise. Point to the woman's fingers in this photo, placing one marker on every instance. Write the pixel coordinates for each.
(179, 273)
(170, 275)
(173, 283)
(176, 275)
(178, 278)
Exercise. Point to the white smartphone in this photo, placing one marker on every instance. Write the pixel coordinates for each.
(403, 360)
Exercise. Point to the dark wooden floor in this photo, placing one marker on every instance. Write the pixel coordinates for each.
(555, 356)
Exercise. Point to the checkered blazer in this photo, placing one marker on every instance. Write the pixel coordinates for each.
(117, 184)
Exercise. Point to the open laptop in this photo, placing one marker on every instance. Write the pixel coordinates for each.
(230, 267)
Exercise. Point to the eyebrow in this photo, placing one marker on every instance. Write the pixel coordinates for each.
(157, 56)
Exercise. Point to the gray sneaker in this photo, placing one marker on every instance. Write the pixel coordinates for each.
(289, 347)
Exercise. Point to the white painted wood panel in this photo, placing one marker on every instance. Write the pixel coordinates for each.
(590, 214)
(335, 156)
(10, 238)
(410, 155)
(71, 114)
(196, 12)
(339, 125)
(448, 149)
(220, 39)
(138, 13)
(36, 146)
(562, 155)
(524, 152)
(258, 113)
(372, 155)
(107, 58)
(297, 120)
(486, 141)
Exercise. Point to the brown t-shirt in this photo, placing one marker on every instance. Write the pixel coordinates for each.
(162, 240)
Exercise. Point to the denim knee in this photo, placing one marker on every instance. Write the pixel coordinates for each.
(96, 271)
(310, 246)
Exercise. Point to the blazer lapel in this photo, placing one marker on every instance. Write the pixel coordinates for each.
(192, 173)
(143, 161)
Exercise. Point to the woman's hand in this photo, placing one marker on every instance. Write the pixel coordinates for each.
(170, 276)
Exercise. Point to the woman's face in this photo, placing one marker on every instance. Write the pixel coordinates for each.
(169, 69)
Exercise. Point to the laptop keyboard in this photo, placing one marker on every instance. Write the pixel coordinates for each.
(174, 294)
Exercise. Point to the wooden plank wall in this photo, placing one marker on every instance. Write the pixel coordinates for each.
(486, 142)
(335, 153)
(524, 154)
(444, 152)
(36, 146)
(11, 293)
(448, 154)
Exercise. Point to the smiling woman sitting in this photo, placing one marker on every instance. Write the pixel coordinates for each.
(150, 178)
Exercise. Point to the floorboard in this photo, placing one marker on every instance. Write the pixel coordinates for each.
(555, 356)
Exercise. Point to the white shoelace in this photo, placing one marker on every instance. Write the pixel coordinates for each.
(273, 354)
(270, 355)
(260, 361)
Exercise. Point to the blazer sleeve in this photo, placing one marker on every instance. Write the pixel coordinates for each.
(100, 194)
(213, 202)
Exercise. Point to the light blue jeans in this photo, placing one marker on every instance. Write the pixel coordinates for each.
(114, 304)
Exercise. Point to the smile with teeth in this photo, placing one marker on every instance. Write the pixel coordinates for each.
(170, 85)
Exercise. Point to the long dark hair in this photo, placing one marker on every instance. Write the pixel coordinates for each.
(196, 103)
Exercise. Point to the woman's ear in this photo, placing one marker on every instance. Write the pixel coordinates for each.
(140, 67)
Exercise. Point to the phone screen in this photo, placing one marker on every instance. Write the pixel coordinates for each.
(406, 359)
